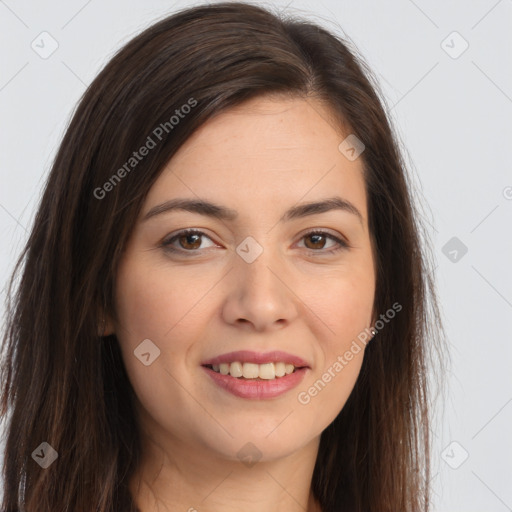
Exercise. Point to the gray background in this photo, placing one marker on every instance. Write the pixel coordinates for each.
(452, 111)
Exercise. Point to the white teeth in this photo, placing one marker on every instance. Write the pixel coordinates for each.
(236, 369)
(250, 371)
(280, 369)
(266, 371)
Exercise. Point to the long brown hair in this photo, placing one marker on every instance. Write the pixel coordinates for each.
(65, 385)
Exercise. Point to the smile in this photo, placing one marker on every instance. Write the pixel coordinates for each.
(256, 375)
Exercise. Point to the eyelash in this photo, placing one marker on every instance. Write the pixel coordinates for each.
(166, 244)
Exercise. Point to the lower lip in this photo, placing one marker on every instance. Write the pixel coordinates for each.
(257, 389)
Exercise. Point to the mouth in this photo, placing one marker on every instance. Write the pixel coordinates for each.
(254, 375)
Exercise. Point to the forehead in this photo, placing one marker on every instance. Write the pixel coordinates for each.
(267, 152)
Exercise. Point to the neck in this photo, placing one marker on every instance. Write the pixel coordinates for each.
(183, 476)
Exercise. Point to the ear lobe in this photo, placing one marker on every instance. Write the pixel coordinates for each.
(106, 327)
(372, 325)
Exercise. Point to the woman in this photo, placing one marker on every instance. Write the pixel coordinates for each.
(224, 297)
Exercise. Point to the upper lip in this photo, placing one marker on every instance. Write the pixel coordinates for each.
(248, 356)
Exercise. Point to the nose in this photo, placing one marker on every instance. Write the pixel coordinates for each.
(260, 295)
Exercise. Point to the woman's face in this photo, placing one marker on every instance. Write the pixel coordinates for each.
(251, 281)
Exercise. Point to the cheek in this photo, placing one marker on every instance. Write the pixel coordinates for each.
(342, 351)
(329, 392)
(343, 302)
(155, 301)
(158, 303)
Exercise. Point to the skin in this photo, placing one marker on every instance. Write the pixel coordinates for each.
(260, 159)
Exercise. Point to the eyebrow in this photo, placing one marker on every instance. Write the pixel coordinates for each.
(203, 207)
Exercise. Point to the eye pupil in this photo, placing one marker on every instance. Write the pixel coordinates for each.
(315, 236)
(187, 236)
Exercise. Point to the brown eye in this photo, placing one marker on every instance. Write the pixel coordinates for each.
(189, 241)
(318, 240)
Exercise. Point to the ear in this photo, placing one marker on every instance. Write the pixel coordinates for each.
(105, 326)
(372, 323)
